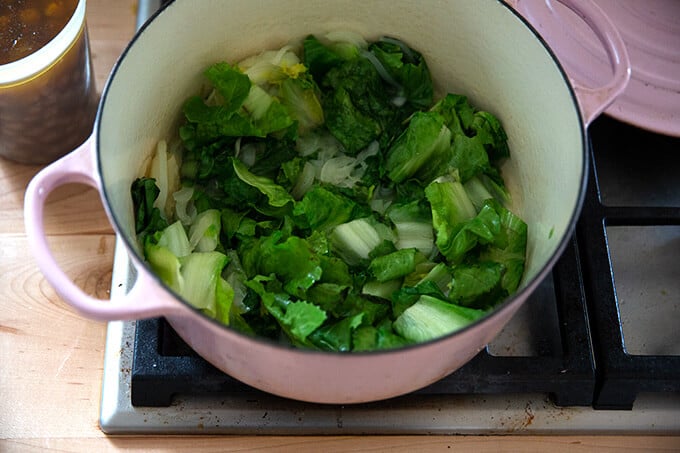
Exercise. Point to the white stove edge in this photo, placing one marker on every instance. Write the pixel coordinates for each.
(459, 414)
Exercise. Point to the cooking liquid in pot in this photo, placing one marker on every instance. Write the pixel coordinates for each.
(46, 115)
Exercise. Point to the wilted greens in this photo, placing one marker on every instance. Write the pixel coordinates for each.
(318, 195)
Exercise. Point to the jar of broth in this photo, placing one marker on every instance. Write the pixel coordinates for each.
(48, 98)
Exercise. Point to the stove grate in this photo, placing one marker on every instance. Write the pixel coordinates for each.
(621, 376)
(165, 366)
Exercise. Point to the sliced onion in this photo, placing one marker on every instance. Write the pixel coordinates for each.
(399, 101)
(347, 37)
(248, 154)
(380, 68)
(382, 199)
(304, 182)
(184, 209)
(338, 171)
(311, 143)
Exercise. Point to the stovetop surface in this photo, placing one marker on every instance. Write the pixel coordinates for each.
(259, 413)
(567, 341)
(604, 356)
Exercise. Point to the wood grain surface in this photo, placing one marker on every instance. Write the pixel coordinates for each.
(51, 358)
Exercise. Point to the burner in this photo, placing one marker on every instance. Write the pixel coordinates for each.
(606, 339)
(577, 303)
(647, 166)
(563, 366)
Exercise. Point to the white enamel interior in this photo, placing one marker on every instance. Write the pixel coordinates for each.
(478, 48)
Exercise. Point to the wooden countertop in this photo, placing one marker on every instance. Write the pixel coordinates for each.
(51, 359)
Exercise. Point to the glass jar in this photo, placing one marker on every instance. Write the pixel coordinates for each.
(48, 98)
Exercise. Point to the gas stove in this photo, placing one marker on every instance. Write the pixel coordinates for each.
(595, 349)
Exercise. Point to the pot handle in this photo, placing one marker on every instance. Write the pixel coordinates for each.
(79, 167)
(592, 101)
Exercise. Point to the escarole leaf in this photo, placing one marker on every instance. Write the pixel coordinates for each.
(148, 218)
(469, 156)
(357, 108)
(319, 58)
(223, 115)
(393, 265)
(459, 228)
(292, 260)
(353, 128)
(508, 247)
(276, 195)
(200, 276)
(224, 299)
(491, 134)
(353, 241)
(232, 85)
(478, 140)
(276, 118)
(451, 208)
(195, 276)
(413, 224)
(337, 336)
(476, 285)
(209, 123)
(408, 68)
(321, 209)
(300, 96)
(431, 318)
(382, 336)
(297, 318)
(457, 112)
(425, 138)
(165, 265)
(480, 230)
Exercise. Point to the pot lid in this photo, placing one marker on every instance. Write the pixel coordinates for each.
(651, 32)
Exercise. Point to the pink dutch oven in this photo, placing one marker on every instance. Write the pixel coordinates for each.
(481, 48)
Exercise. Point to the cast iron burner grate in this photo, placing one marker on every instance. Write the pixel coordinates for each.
(653, 160)
(586, 311)
(586, 305)
(164, 365)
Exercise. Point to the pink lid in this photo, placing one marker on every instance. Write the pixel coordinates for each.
(650, 30)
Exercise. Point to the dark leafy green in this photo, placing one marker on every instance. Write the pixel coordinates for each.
(333, 205)
(148, 219)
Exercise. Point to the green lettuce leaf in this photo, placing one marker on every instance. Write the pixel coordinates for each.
(382, 336)
(508, 247)
(393, 265)
(276, 195)
(232, 85)
(430, 318)
(477, 285)
(301, 97)
(291, 260)
(329, 206)
(319, 58)
(148, 219)
(298, 319)
(425, 138)
(321, 209)
(409, 70)
(337, 336)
